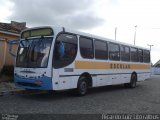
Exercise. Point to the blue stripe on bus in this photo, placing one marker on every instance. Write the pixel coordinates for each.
(28, 83)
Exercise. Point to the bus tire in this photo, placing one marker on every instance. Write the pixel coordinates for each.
(82, 87)
(132, 83)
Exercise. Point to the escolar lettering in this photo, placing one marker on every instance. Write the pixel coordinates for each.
(119, 66)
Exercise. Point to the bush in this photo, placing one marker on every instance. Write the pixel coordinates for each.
(7, 72)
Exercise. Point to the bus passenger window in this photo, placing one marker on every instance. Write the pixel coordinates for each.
(134, 55)
(101, 50)
(114, 51)
(140, 55)
(65, 50)
(60, 50)
(146, 56)
(125, 53)
(86, 47)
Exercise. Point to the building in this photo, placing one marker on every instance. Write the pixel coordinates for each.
(157, 64)
(9, 31)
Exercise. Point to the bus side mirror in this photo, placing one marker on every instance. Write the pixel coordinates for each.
(11, 43)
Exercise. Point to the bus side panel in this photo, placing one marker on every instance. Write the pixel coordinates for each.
(143, 76)
(55, 79)
(65, 78)
(69, 82)
(103, 80)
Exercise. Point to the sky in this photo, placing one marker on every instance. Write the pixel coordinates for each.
(98, 17)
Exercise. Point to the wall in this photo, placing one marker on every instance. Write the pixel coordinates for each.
(5, 57)
(2, 53)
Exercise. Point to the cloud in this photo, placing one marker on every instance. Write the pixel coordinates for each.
(69, 13)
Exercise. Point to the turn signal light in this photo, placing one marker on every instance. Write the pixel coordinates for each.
(38, 82)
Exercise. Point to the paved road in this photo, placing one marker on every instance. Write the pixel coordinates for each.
(111, 99)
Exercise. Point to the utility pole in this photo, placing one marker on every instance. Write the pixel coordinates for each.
(150, 46)
(115, 33)
(135, 34)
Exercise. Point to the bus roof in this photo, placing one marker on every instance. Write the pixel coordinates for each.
(86, 35)
(101, 38)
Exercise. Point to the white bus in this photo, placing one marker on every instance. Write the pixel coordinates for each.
(56, 58)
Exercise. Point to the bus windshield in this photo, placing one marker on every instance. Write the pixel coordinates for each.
(34, 52)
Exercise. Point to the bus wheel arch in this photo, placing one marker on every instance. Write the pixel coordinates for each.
(84, 82)
(134, 74)
(133, 81)
(88, 77)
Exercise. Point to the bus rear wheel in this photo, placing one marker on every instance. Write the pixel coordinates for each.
(82, 87)
(133, 82)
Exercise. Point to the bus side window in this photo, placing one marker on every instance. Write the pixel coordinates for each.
(140, 51)
(134, 54)
(125, 53)
(114, 51)
(86, 47)
(146, 56)
(65, 50)
(101, 49)
(60, 50)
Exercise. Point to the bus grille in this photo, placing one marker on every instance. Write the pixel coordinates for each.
(28, 84)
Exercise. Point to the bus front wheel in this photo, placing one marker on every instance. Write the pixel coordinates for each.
(132, 83)
(82, 87)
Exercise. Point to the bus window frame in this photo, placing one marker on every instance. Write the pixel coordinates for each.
(109, 52)
(136, 55)
(55, 46)
(106, 42)
(90, 38)
(149, 56)
(142, 55)
(122, 45)
(48, 53)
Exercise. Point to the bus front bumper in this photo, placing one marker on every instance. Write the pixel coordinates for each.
(43, 83)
